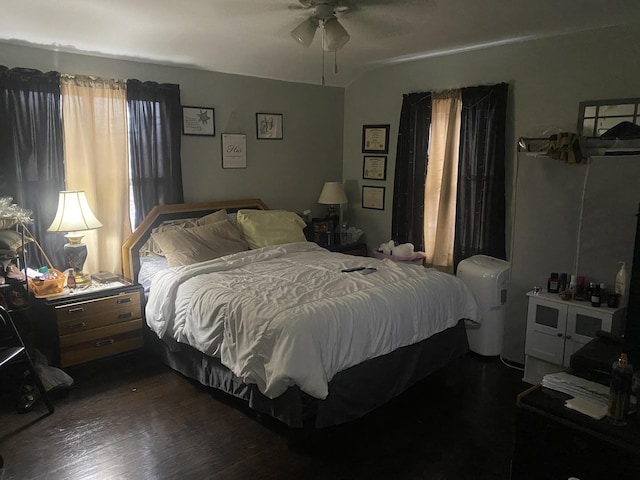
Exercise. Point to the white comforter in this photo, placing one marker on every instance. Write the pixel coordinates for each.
(286, 315)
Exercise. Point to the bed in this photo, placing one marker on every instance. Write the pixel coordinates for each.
(307, 336)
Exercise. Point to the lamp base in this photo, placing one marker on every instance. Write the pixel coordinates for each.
(76, 254)
(332, 211)
(82, 279)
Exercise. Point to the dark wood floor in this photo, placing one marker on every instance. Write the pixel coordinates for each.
(132, 418)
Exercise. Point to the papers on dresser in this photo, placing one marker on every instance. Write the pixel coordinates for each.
(590, 398)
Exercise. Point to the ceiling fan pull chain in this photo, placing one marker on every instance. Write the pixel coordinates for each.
(335, 62)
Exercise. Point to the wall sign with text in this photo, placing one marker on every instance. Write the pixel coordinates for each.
(234, 150)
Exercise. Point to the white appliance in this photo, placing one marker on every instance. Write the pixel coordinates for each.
(487, 278)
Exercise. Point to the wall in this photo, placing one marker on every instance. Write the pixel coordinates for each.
(286, 173)
(547, 77)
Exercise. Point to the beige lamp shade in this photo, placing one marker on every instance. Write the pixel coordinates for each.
(74, 217)
(333, 194)
(74, 213)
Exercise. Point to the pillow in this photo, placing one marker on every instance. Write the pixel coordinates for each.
(198, 244)
(12, 240)
(150, 247)
(270, 227)
(214, 217)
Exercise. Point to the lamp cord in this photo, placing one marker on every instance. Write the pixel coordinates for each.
(323, 41)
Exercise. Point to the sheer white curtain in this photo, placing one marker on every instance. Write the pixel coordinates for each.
(442, 179)
(94, 115)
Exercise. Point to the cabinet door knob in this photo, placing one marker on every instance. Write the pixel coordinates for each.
(559, 334)
(568, 337)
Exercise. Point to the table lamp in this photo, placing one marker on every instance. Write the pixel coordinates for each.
(332, 194)
(74, 217)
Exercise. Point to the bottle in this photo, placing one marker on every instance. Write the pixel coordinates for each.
(573, 284)
(621, 283)
(620, 389)
(553, 283)
(562, 283)
(71, 279)
(580, 288)
(595, 296)
(589, 292)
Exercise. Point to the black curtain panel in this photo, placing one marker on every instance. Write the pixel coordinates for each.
(155, 133)
(480, 210)
(407, 223)
(31, 152)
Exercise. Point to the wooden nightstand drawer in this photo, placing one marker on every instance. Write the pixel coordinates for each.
(103, 320)
(95, 334)
(77, 317)
(102, 347)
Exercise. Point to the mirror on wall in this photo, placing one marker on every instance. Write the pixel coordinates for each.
(597, 117)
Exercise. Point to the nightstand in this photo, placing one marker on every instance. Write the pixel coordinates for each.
(81, 326)
(358, 249)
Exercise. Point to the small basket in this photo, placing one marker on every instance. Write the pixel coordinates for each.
(48, 287)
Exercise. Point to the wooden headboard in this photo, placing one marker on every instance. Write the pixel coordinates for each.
(162, 213)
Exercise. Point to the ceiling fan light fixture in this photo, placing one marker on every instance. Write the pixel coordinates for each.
(304, 33)
(336, 35)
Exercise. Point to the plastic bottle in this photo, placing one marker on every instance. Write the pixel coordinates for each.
(553, 283)
(595, 296)
(621, 376)
(621, 283)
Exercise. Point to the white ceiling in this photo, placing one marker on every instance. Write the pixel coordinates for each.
(251, 37)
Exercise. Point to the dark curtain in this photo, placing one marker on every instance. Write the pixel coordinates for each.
(31, 152)
(155, 118)
(407, 223)
(480, 211)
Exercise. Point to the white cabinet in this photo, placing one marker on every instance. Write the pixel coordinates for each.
(557, 328)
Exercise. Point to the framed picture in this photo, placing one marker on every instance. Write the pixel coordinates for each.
(374, 168)
(269, 126)
(234, 150)
(373, 197)
(198, 121)
(375, 139)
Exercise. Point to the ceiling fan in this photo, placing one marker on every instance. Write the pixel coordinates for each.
(324, 16)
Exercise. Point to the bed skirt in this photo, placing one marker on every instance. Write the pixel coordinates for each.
(352, 392)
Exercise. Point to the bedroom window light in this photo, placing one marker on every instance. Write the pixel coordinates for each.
(598, 116)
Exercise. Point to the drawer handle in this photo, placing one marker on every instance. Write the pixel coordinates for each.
(77, 325)
(125, 315)
(123, 300)
(104, 343)
(76, 310)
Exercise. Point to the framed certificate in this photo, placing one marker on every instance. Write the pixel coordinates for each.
(375, 139)
(373, 197)
(374, 168)
(234, 151)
